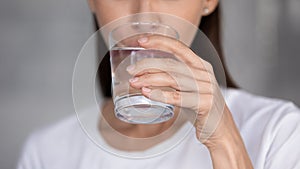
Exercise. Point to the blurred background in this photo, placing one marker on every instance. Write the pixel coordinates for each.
(40, 40)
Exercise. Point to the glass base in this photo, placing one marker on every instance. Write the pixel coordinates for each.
(138, 109)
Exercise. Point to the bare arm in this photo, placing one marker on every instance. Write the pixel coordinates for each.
(229, 152)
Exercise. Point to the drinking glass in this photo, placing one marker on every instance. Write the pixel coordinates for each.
(130, 105)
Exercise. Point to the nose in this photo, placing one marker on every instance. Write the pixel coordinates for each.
(144, 10)
(144, 6)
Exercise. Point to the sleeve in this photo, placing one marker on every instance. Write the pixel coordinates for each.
(30, 158)
(284, 151)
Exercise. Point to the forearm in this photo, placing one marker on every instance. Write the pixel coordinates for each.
(228, 151)
(231, 157)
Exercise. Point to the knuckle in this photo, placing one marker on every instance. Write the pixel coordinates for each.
(176, 96)
(211, 89)
(172, 76)
(178, 44)
(175, 80)
(208, 66)
(147, 76)
(212, 80)
(170, 63)
(172, 98)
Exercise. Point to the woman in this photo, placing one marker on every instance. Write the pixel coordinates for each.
(253, 132)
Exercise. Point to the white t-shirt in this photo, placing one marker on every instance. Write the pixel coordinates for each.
(270, 129)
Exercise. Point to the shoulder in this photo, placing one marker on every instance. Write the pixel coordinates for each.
(247, 108)
(59, 133)
(269, 127)
(54, 143)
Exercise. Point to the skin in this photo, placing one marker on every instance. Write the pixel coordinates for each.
(223, 141)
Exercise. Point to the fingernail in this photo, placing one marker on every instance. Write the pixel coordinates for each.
(145, 89)
(143, 40)
(132, 80)
(130, 68)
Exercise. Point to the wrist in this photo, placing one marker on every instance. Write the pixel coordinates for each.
(227, 148)
(225, 135)
(230, 156)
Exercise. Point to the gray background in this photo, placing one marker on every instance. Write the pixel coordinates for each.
(40, 40)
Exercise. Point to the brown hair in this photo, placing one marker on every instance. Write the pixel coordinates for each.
(210, 25)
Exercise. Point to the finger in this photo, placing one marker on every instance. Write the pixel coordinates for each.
(174, 81)
(194, 101)
(175, 47)
(157, 65)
